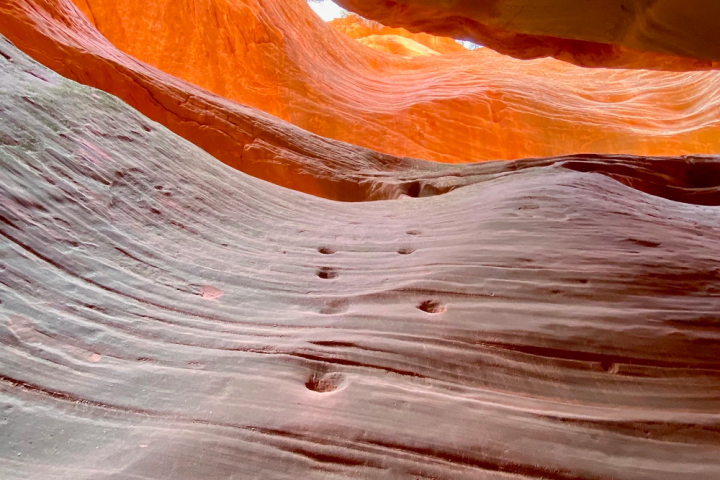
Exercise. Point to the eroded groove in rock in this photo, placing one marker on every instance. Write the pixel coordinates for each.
(657, 34)
(550, 322)
(279, 57)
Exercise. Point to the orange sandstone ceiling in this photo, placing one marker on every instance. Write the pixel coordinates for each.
(464, 106)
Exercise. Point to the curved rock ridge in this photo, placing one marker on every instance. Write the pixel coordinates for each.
(165, 316)
(244, 138)
(656, 34)
(451, 108)
(380, 37)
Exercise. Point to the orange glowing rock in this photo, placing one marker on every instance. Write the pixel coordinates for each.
(57, 35)
(394, 40)
(278, 56)
(666, 34)
(397, 45)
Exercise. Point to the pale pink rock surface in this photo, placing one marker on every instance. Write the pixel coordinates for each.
(551, 318)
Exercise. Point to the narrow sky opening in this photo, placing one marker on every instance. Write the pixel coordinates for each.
(326, 9)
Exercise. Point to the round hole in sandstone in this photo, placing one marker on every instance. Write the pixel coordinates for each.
(413, 189)
(431, 306)
(326, 250)
(334, 307)
(325, 382)
(327, 273)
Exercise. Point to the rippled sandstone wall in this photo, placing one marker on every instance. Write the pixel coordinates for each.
(58, 36)
(165, 317)
(54, 33)
(279, 57)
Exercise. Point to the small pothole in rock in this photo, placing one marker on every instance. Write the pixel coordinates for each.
(335, 306)
(326, 250)
(325, 382)
(405, 250)
(327, 273)
(431, 306)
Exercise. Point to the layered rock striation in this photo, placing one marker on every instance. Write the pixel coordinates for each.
(280, 58)
(195, 284)
(165, 316)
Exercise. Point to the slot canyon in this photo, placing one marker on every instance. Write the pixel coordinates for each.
(422, 239)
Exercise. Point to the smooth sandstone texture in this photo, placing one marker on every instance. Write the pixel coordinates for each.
(658, 34)
(166, 317)
(279, 57)
(54, 33)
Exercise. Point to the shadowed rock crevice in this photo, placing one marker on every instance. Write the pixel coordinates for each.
(667, 34)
